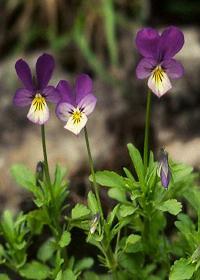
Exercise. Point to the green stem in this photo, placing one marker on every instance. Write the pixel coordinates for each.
(46, 165)
(55, 221)
(147, 126)
(93, 172)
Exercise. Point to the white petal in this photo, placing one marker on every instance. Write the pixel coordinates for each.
(75, 126)
(159, 82)
(63, 111)
(39, 111)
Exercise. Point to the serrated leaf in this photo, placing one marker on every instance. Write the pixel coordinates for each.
(36, 220)
(196, 255)
(35, 270)
(182, 270)
(172, 206)
(80, 211)
(65, 239)
(180, 171)
(138, 164)
(23, 176)
(109, 179)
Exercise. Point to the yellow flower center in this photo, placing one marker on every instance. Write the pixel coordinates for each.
(76, 116)
(39, 102)
(158, 74)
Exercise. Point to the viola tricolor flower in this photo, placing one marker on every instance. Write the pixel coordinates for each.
(157, 62)
(164, 170)
(76, 104)
(36, 92)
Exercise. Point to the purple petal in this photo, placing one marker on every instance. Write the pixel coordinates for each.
(145, 67)
(66, 92)
(44, 69)
(51, 94)
(87, 104)
(24, 74)
(64, 110)
(147, 40)
(83, 87)
(171, 42)
(165, 179)
(173, 68)
(22, 97)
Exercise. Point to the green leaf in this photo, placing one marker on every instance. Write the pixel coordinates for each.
(129, 174)
(196, 255)
(117, 194)
(37, 219)
(187, 228)
(80, 211)
(7, 226)
(126, 210)
(69, 275)
(4, 276)
(59, 276)
(138, 164)
(93, 276)
(172, 206)
(133, 243)
(46, 251)
(109, 179)
(132, 239)
(59, 175)
(84, 264)
(182, 270)
(23, 176)
(35, 270)
(180, 171)
(92, 203)
(112, 214)
(65, 239)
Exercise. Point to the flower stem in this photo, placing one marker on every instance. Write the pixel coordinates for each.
(48, 179)
(93, 172)
(46, 169)
(147, 126)
(46, 165)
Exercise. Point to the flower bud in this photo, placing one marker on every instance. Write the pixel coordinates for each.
(164, 170)
(39, 172)
(94, 223)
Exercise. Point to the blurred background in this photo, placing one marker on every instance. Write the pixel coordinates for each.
(95, 37)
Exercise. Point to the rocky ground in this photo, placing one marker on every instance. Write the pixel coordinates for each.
(118, 119)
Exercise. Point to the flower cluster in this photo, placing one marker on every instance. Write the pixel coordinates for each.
(73, 105)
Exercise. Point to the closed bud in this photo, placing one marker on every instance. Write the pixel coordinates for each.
(94, 223)
(164, 170)
(39, 171)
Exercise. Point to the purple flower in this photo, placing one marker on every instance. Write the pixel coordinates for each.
(76, 104)
(164, 169)
(157, 62)
(36, 93)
